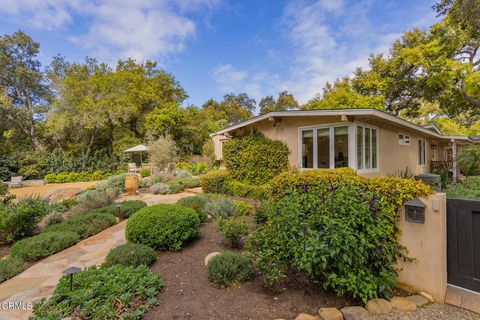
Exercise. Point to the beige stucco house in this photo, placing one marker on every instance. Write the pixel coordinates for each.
(373, 142)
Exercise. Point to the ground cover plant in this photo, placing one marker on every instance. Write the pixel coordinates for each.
(124, 209)
(160, 188)
(94, 199)
(116, 292)
(229, 268)
(85, 225)
(197, 203)
(163, 226)
(43, 245)
(131, 254)
(10, 267)
(336, 227)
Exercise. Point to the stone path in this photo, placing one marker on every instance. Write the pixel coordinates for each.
(39, 281)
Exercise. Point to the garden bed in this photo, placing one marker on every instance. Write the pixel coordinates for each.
(189, 295)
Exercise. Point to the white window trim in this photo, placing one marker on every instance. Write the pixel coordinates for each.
(404, 134)
(331, 126)
(372, 170)
(424, 153)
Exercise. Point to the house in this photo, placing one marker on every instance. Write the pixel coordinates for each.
(373, 142)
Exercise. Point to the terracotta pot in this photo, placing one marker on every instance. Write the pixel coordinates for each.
(131, 183)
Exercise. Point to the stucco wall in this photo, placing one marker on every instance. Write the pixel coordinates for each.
(427, 244)
(393, 157)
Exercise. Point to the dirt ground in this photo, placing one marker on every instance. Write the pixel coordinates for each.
(189, 295)
(41, 190)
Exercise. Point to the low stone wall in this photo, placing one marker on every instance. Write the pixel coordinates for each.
(427, 245)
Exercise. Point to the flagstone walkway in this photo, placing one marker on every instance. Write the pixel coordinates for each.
(20, 293)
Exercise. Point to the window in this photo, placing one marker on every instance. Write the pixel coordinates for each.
(403, 139)
(324, 147)
(366, 148)
(421, 152)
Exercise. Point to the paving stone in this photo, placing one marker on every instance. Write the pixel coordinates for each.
(402, 304)
(354, 313)
(378, 306)
(420, 301)
(304, 316)
(330, 314)
(210, 256)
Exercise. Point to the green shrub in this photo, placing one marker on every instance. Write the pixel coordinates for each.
(64, 177)
(131, 254)
(145, 183)
(176, 187)
(468, 189)
(114, 182)
(243, 208)
(245, 190)
(20, 220)
(53, 218)
(94, 199)
(10, 267)
(160, 178)
(189, 182)
(183, 174)
(85, 225)
(163, 226)
(197, 203)
(341, 231)
(3, 188)
(145, 173)
(255, 158)
(124, 209)
(43, 245)
(160, 188)
(116, 292)
(469, 161)
(214, 181)
(221, 207)
(228, 268)
(233, 230)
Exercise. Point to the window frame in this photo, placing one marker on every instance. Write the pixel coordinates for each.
(331, 127)
(377, 147)
(422, 156)
(403, 143)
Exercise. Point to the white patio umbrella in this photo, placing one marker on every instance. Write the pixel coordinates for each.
(140, 148)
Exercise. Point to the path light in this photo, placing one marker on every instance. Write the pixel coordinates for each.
(71, 271)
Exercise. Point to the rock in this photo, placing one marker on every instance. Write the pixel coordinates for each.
(378, 306)
(304, 316)
(330, 314)
(426, 295)
(402, 304)
(420, 301)
(210, 256)
(354, 313)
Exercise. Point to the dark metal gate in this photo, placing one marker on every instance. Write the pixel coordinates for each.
(463, 243)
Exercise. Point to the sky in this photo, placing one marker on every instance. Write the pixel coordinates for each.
(215, 47)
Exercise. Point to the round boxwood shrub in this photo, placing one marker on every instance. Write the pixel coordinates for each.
(131, 254)
(123, 210)
(43, 245)
(255, 158)
(197, 203)
(229, 267)
(163, 226)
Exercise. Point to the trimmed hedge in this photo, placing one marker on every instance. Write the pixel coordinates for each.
(43, 245)
(197, 203)
(10, 267)
(220, 182)
(124, 209)
(64, 177)
(255, 158)
(228, 268)
(214, 181)
(131, 254)
(85, 225)
(163, 226)
(116, 292)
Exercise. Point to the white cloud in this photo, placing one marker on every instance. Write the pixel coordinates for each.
(117, 29)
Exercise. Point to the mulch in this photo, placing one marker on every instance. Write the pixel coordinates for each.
(189, 295)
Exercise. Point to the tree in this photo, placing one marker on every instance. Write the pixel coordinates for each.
(25, 85)
(285, 101)
(234, 108)
(162, 151)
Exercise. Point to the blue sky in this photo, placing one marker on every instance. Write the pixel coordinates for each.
(214, 47)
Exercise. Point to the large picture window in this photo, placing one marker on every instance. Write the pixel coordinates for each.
(324, 147)
(366, 148)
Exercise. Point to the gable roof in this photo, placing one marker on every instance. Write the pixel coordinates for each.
(433, 127)
(347, 112)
